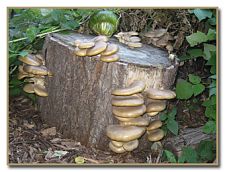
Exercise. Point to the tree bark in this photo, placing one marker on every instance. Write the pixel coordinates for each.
(79, 101)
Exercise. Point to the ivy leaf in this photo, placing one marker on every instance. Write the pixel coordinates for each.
(202, 14)
(198, 89)
(183, 89)
(31, 33)
(211, 34)
(213, 77)
(172, 125)
(163, 117)
(189, 154)
(195, 52)
(23, 53)
(170, 156)
(210, 112)
(70, 25)
(173, 113)
(205, 150)
(196, 38)
(194, 79)
(208, 48)
(209, 127)
(212, 91)
(181, 159)
(212, 21)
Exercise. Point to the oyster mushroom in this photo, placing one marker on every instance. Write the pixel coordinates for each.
(80, 52)
(160, 94)
(135, 87)
(37, 70)
(152, 113)
(123, 119)
(29, 88)
(129, 112)
(40, 90)
(133, 100)
(110, 58)
(85, 45)
(155, 135)
(116, 149)
(154, 125)
(139, 121)
(21, 76)
(124, 133)
(117, 144)
(135, 39)
(30, 60)
(100, 38)
(134, 44)
(21, 70)
(131, 145)
(97, 49)
(111, 49)
(156, 107)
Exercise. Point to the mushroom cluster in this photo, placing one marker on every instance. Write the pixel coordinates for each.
(131, 39)
(156, 103)
(34, 69)
(97, 46)
(128, 107)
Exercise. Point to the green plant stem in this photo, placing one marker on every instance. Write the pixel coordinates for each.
(39, 35)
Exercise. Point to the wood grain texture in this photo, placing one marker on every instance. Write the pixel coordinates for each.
(79, 101)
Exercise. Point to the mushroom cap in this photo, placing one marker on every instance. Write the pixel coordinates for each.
(156, 107)
(131, 145)
(21, 76)
(135, 39)
(134, 44)
(156, 33)
(111, 49)
(123, 119)
(77, 42)
(132, 33)
(116, 149)
(136, 87)
(133, 100)
(36, 70)
(40, 90)
(160, 94)
(154, 125)
(100, 38)
(30, 60)
(129, 112)
(155, 135)
(36, 80)
(124, 133)
(85, 45)
(154, 100)
(80, 52)
(20, 68)
(152, 113)
(41, 58)
(110, 58)
(99, 47)
(28, 88)
(117, 144)
(139, 121)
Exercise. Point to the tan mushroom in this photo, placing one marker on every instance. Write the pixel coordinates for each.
(41, 58)
(37, 70)
(152, 113)
(80, 52)
(85, 45)
(28, 88)
(129, 112)
(116, 149)
(111, 49)
(21, 76)
(21, 70)
(154, 125)
(123, 119)
(136, 87)
(131, 145)
(77, 42)
(155, 33)
(111, 58)
(99, 47)
(155, 135)
(134, 44)
(139, 121)
(135, 39)
(160, 94)
(40, 90)
(124, 133)
(133, 100)
(30, 60)
(156, 107)
(117, 144)
(100, 38)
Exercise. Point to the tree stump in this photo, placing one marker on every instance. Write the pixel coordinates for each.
(79, 101)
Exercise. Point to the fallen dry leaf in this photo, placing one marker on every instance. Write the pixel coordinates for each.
(49, 131)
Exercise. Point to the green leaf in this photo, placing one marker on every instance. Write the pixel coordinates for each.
(181, 159)
(45, 11)
(209, 127)
(173, 113)
(189, 154)
(31, 33)
(210, 102)
(205, 150)
(212, 21)
(213, 77)
(15, 91)
(202, 14)
(210, 112)
(211, 34)
(170, 156)
(70, 25)
(194, 79)
(213, 69)
(208, 48)
(163, 117)
(196, 38)
(212, 91)
(23, 53)
(211, 61)
(198, 89)
(194, 53)
(172, 125)
(183, 89)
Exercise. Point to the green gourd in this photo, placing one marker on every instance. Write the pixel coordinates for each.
(104, 23)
